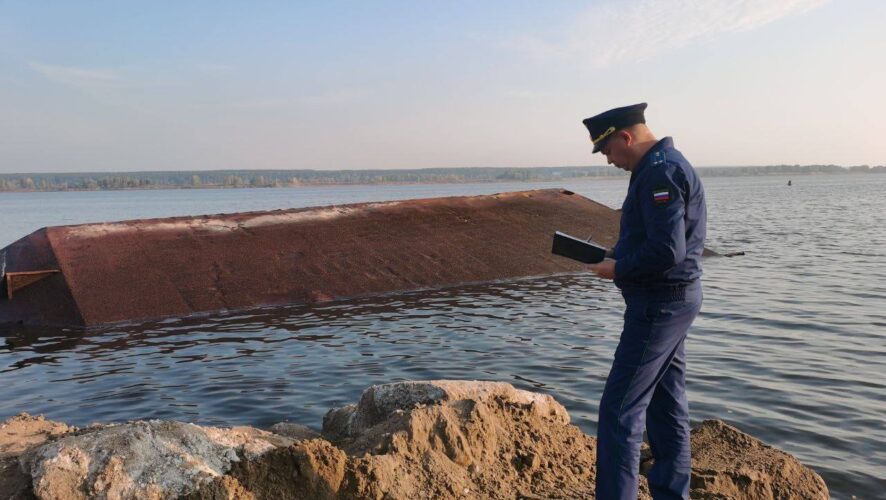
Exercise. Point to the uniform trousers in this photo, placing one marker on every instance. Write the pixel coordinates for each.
(646, 389)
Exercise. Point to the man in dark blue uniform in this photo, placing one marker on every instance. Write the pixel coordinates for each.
(657, 265)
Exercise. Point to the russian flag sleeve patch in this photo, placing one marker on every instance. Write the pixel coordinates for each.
(661, 195)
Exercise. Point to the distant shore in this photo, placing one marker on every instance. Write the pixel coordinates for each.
(222, 179)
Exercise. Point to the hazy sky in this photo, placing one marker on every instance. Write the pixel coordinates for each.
(180, 85)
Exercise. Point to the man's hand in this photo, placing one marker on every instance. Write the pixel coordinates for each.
(604, 269)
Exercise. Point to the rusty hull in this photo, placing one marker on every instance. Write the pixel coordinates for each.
(154, 268)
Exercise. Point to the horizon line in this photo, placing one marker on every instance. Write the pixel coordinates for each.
(109, 172)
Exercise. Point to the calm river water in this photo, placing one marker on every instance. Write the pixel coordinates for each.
(789, 346)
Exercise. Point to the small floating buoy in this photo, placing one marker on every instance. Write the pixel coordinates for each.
(789, 182)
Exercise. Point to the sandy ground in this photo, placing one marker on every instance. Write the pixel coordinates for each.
(436, 439)
(17, 435)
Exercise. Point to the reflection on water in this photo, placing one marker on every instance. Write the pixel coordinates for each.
(295, 363)
(789, 345)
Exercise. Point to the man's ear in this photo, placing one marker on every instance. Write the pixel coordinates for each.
(628, 138)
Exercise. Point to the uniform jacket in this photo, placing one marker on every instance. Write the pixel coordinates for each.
(662, 223)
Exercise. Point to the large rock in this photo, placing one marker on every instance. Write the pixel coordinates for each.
(146, 459)
(732, 464)
(380, 402)
(456, 439)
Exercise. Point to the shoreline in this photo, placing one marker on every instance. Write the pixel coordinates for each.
(172, 187)
(614, 177)
(420, 439)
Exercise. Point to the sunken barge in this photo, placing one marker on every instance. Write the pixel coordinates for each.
(96, 274)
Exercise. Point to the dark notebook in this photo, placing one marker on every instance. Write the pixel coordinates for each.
(577, 249)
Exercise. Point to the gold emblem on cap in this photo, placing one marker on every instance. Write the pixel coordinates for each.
(604, 135)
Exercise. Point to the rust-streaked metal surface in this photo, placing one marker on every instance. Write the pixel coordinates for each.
(154, 268)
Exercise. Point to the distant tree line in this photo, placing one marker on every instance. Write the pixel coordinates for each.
(288, 178)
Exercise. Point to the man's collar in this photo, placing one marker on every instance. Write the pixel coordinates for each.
(664, 143)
